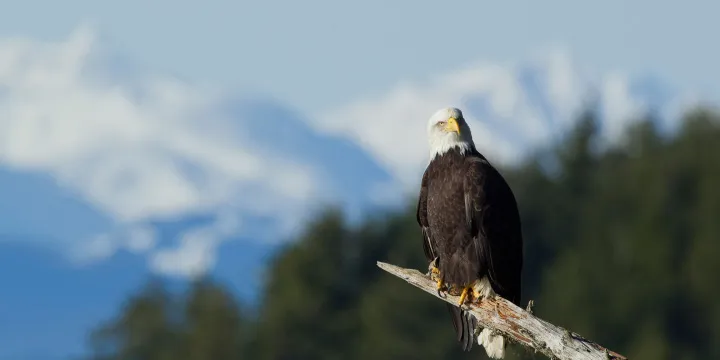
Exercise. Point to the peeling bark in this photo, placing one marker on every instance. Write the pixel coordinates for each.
(518, 325)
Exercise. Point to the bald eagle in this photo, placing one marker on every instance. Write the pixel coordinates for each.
(470, 225)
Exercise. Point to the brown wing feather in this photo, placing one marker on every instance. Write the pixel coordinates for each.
(422, 219)
(494, 220)
(463, 324)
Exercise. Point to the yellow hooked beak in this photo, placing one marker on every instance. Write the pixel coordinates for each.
(452, 125)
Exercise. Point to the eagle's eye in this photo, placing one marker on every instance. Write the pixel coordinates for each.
(442, 123)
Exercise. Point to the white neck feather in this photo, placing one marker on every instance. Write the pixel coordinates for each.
(439, 145)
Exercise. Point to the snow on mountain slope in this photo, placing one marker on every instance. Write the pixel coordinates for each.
(134, 149)
(512, 109)
(139, 148)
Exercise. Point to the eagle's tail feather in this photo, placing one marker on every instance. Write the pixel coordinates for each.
(464, 325)
(494, 344)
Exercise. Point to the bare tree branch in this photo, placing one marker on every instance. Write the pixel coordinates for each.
(515, 323)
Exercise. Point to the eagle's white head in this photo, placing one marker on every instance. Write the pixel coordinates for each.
(448, 129)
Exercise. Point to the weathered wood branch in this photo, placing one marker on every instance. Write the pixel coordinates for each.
(515, 323)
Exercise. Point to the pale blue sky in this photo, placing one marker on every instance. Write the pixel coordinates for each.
(317, 54)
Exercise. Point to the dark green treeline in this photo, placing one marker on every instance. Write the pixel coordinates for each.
(621, 246)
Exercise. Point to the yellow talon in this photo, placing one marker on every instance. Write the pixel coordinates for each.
(439, 284)
(435, 270)
(464, 295)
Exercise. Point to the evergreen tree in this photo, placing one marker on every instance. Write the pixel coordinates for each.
(621, 246)
(214, 327)
(144, 329)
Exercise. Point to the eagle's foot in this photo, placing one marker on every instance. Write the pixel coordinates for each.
(433, 270)
(476, 292)
(464, 294)
(433, 273)
(440, 287)
(481, 289)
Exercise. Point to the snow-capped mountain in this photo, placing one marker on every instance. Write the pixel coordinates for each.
(128, 153)
(116, 155)
(513, 108)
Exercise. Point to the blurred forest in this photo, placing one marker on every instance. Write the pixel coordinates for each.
(621, 246)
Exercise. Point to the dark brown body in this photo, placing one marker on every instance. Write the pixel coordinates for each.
(471, 223)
